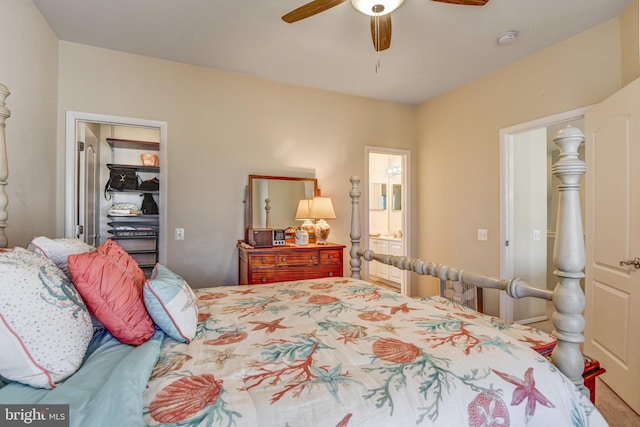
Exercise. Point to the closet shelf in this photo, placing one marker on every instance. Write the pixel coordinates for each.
(133, 144)
(139, 168)
(136, 234)
(133, 192)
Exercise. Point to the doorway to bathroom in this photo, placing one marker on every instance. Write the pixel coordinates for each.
(387, 220)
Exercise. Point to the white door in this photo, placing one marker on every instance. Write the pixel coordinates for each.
(612, 131)
(88, 186)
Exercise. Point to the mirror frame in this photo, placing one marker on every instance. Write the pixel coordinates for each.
(276, 178)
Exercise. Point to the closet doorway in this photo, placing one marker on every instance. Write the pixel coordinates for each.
(529, 208)
(387, 225)
(86, 166)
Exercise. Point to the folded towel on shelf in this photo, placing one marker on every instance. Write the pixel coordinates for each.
(124, 212)
(124, 209)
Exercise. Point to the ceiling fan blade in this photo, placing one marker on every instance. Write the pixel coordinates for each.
(381, 31)
(310, 9)
(465, 2)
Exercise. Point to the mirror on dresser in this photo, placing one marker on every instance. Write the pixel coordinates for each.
(270, 263)
(283, 193)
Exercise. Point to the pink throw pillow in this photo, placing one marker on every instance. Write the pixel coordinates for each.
(110, 282)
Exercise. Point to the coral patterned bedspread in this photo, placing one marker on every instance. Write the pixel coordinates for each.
(344, 352)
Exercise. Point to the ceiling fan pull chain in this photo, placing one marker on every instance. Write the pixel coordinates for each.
(377, 19)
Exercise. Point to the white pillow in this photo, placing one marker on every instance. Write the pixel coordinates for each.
(171, 304)
(58, 250)
(45, 327)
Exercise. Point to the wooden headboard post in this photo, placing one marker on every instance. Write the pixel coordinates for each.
(568, 257)
(4, 167)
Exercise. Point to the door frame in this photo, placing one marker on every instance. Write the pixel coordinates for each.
(507, 168)
(405, 156)
(71, 168)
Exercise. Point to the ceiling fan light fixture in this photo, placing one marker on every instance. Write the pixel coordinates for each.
(376, 7)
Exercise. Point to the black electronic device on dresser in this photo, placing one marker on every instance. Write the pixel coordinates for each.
(266, 237)
(137, 231)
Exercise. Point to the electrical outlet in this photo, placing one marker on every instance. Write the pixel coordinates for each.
(179, 234)
(537, 235)
(483, 234)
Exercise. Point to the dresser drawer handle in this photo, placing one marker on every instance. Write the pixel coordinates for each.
(331, 274)
(263, 279)
(313, 257)
(330, 256)
(263, 260)
(284, 259)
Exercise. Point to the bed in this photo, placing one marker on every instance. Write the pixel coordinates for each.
(324, 352)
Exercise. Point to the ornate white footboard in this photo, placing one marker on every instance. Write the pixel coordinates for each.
(568, 257)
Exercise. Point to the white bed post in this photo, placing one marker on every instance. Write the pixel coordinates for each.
(569, 259)
(355, 261)
(267, 211)
(4, 167)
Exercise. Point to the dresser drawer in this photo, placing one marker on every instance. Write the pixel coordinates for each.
(257, 277)
(293, 258)
(263, 261)
(334, 270)
(283, 274)
(331, 257)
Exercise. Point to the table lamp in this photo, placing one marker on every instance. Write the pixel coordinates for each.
(321, 208)
(303, 214)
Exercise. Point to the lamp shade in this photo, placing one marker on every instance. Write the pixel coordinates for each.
(321, 207)
(303, 210)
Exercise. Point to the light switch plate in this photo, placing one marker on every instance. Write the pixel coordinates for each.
(179, 234)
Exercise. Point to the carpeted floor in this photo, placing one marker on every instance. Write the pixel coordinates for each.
(613, 409)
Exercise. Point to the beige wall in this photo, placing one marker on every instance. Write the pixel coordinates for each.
(221, 128)
(29, 68)
(630, 43)
(577, 72)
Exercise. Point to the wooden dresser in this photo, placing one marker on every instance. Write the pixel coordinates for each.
(282, 263)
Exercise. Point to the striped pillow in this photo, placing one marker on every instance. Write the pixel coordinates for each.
(171, 304)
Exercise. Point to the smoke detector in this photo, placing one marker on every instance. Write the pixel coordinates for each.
(507, 37)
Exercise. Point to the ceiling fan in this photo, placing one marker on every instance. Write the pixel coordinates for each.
(379, 10)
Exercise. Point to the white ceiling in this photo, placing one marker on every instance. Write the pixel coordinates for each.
(435, 47)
